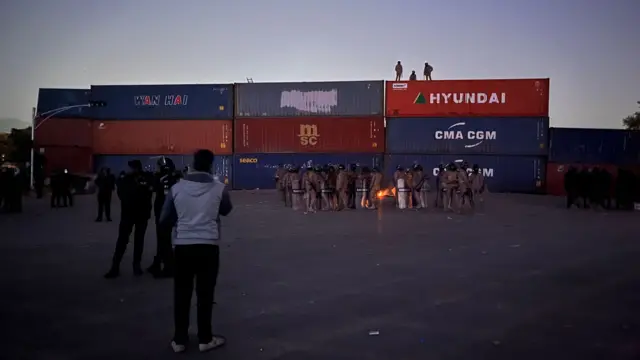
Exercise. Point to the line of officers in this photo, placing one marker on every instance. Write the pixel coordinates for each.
(336, 187)
(139, 192)
(11, 188)
(592, 187)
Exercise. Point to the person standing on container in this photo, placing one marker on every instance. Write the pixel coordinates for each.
(413, 76)
(106, 184)
(135, 191)
(194, 206)
(428, 69)
(398, 71)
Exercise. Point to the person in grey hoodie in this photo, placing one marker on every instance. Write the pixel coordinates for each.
(193, 206)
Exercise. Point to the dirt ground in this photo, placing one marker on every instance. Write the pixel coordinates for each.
(521, 278)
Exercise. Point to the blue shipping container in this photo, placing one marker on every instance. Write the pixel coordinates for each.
(221, 164)
(346, 98)
(593, 146)
(497, 136)
(632, 148)
(514, 174)
(50, 100)
(164, 102)
(257, 171)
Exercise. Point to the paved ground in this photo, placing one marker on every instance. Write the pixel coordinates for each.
(522, 279)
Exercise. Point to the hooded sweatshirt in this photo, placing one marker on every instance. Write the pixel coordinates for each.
(194, 205)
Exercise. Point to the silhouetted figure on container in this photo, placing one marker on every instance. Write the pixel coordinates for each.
(571, 186)
(398, 71)
(413, 76)
(106, 184)
(428, 69)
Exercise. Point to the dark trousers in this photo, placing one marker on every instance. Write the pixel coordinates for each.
(67, 196)
(164, 249)
(202, 263)
(57, 199)
(126, 227)
(104, 205)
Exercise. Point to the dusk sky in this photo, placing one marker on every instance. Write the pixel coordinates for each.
(589, 48)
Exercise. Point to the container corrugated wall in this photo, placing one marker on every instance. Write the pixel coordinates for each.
(466, 98)
(256, 171)
(164, 102)
(347, 98)
(78, 160)
(64, 132)
(162, 136)
(501, 136)
(516, 174)
(52, 99)
(591, 146)
(309, 135)
(222, 165)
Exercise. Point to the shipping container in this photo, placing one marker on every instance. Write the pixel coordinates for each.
(77, 160)
(555, 175)
(257, 171)
(164, 102)
(464, 98)
(222, 165)
(499, 136)
(340, 98)
(591, 146)
(51, 102)
(510, 174)
(64, 132)
(309, 135)
(162, 136)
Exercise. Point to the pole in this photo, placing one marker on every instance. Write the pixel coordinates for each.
(33, 137)
(34, 126)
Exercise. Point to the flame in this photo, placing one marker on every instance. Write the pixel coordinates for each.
(386, 193)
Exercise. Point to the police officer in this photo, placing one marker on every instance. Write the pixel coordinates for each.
(106, 184)
(135, 191)
(164, 179)
(353, 175)
(67, 184)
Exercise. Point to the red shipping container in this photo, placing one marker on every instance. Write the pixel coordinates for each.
(464, 98)
(162, 137)
(64, 132)
(309, 135)
(78, 160)
(556, 171)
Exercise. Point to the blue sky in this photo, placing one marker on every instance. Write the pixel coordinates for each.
(589, 49)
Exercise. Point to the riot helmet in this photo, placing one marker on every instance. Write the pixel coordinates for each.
(341, 167)
(399, 168)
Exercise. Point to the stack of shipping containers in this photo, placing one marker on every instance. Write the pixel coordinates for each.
(309, 123)
(147, 122)
(63, 136)
(589, 148)
(501, 125)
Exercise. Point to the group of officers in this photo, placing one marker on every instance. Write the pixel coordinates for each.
(336, 187)
(11, 188)
(140, 193)
(594, 187)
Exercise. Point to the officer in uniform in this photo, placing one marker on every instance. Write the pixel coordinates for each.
(135, 191)
(353, 176)
(164, 179)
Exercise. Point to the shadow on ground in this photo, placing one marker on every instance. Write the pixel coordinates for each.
(521, 278)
